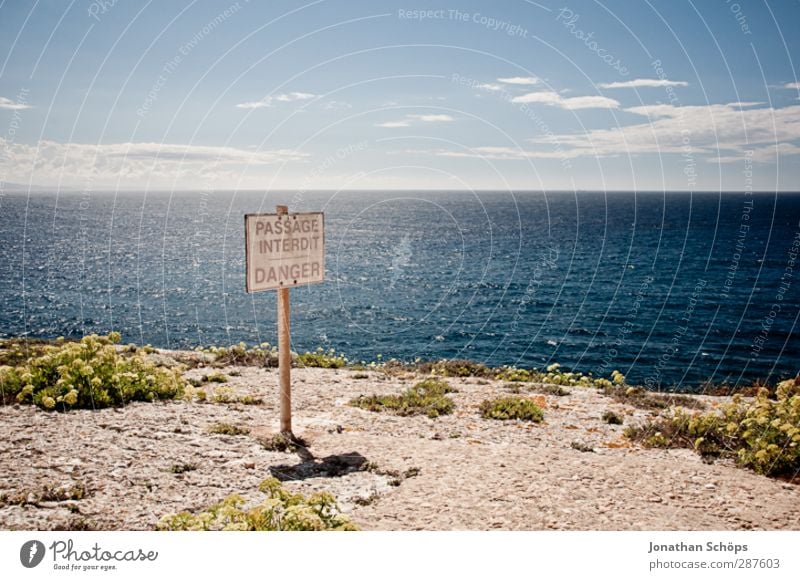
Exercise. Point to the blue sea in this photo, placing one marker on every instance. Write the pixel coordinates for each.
(671, 289)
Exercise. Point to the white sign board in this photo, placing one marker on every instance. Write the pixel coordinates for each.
(283, 251)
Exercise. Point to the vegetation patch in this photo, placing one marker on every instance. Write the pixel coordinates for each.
(456, 368)
(282, 443)
(249, 400)
(227, 429)
(726, 390)
(642, 399)
(321, 358)
(281, 510)
(554, 390)
(48, 493)
(89, 374)
(17, 351)
(425, 398)
(76, 524)
(263, 355)
(612, 418)
(506, 408)
(179, 468)
(216, 377)
(763, 434)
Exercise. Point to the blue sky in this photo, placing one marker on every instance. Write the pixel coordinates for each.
(328, 94)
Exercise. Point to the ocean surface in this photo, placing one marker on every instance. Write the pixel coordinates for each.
(671, 289)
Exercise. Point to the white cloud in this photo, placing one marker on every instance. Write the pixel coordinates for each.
(498, 153)
(643, 83)
(270, 99)
(408, 120)
(518, 80)
(546, 97)
(745, 104)
(705, 129)
(590, 102)
(432, 118)
(51, 162)
(554, 99)
(393, 124)
(489, 86)
(795, 86)
(11, 105)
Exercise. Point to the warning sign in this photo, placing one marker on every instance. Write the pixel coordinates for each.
(285, 250)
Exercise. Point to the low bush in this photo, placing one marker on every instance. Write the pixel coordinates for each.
(456, 368)
(515, 375)
(612, 418)
(554, 390)
(48, 493)
(17, 351)
(282, 443)
(642, 399)
(505, 408)
(263, 355)
(425, 398)
(180, 468)
(281, 510)
(89, 374)
(553, 375)
(321, 358)
(227, 429)
(762, 434)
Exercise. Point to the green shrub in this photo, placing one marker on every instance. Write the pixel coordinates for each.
(456, 368)
(282, 510)
(321, 359)
(763, 434)
(282, 443)
(180, 468)
(263, 355)
(89, 374)
(17, 351)
(49, 493)
(224, 395)
(504, 408)
(515, 375)
(250, 400)
(642, 399)
(227, 429)
(554, 390)
(425, 398)
(553, 375)
(216, 377)
(612, 418)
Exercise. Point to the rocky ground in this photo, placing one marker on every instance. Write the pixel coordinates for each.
(125, 468)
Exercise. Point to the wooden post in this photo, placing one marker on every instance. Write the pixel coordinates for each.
(284, 352)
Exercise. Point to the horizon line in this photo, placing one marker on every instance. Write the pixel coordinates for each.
(47, 189)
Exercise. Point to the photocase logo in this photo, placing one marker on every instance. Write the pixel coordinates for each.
(31, 553)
